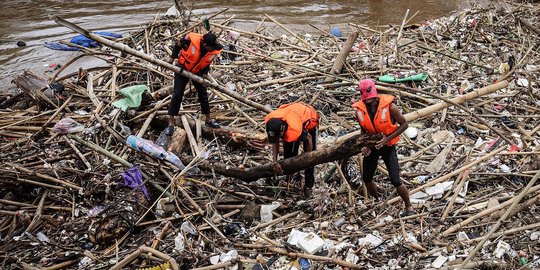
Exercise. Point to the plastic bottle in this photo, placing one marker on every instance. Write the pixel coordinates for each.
(153, 150)
(304, 264)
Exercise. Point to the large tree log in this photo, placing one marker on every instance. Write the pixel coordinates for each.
(231, 136)
(343, 53)
(340, 61)
(345, 149)
(126, 49)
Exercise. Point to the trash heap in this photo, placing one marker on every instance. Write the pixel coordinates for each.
(88, 183)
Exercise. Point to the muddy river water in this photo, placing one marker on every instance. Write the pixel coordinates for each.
(30, 21)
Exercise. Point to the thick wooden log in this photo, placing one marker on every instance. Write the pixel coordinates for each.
(343, 53)
(346, 149)
(178, 140)
(239, 137)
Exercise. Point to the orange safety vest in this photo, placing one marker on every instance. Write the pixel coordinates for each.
(298, 116)
(190, 58)
(382, 120)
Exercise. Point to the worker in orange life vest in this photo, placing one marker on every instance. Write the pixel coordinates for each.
(378, 114)
(195, 53)
(295, 123)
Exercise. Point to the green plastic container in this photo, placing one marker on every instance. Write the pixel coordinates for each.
(391, 79)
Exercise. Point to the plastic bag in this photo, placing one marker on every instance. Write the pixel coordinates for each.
(68, 125)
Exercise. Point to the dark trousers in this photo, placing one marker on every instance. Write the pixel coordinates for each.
(290, 149)
(180, 83)
(389, 156)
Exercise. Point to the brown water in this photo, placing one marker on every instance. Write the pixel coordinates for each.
(29, 20)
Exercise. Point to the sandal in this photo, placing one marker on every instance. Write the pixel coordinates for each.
(212, 123)
(407, 213)
(169, 131)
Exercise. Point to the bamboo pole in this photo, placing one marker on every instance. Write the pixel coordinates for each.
(224, 265)
(277, 220)
(126, 49)
(81, 156)
(485, 213)
(59, 110)
(191, 139)
(452, 174)
(344, 52)
(400, 33)
(457, 104)
(279, 80)
(495, 227)
(462, 179)
(289, 31)
(46, 177)
(145, 249)
(32, 182)
(510, 231)
(453, 57)
(114, 157)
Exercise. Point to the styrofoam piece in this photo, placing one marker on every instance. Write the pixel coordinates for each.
(419, 195)
(411, 132)
(438, 190)
(504, 168)
(266, 211)
(214, 259)
(179, 242)
(311, 243)
(225, 257)
(462, 237)
(464, 190)
(502, 247)
(437, 263)
(535, 236)
(370, 241)
(523, 82)
(352, 258)
(295, 236)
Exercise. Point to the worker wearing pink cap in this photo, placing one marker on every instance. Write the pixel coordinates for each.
(377, 114)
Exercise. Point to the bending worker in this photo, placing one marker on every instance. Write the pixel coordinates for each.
(195, 53)
(295, 123)
(378, 114)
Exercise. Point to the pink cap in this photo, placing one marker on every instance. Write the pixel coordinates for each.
(367, 89)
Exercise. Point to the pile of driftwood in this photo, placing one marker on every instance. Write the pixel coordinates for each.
(471, 162)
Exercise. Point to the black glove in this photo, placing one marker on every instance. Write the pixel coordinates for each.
(184, 43)
(175, 50)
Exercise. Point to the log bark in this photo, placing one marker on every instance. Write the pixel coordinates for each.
(239, 137)
(126, 49)
(178, 140)
(346, 149)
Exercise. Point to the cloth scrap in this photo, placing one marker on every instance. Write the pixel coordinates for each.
(133, 179)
